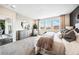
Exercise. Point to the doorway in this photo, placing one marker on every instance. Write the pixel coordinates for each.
(2, 26)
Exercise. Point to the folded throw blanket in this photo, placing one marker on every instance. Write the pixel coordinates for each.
(45, 43)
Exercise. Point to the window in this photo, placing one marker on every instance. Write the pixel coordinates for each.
(50, 24)
(42, 24)
(56, 24)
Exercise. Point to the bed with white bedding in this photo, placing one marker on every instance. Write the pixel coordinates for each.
(58, 46)
(63, 46)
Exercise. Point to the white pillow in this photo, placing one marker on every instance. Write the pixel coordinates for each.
(49, 34)
(69, 27)
(77, 36)
(77, 25)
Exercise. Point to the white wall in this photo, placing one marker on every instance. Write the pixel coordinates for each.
(26, 20)
(7, 13)
(19, 19)
(15, 22)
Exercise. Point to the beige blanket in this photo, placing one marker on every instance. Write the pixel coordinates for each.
(57, 49)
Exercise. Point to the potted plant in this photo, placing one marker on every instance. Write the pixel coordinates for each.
(34, 30)
(2, 27)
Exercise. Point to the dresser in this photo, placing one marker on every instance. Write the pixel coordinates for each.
(22, 34)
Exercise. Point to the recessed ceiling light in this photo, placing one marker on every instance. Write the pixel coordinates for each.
(13, 6)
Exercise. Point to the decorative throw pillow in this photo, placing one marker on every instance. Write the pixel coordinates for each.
(64, 32)
(70, 36)
(49, 34)
(77, 36)
(77, 30)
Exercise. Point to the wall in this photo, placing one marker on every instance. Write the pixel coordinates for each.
(8, 14)
(24, 19)
(14, 19)
(73, 17)
(67, 20)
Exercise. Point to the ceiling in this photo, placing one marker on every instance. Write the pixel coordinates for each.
(39, 11)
